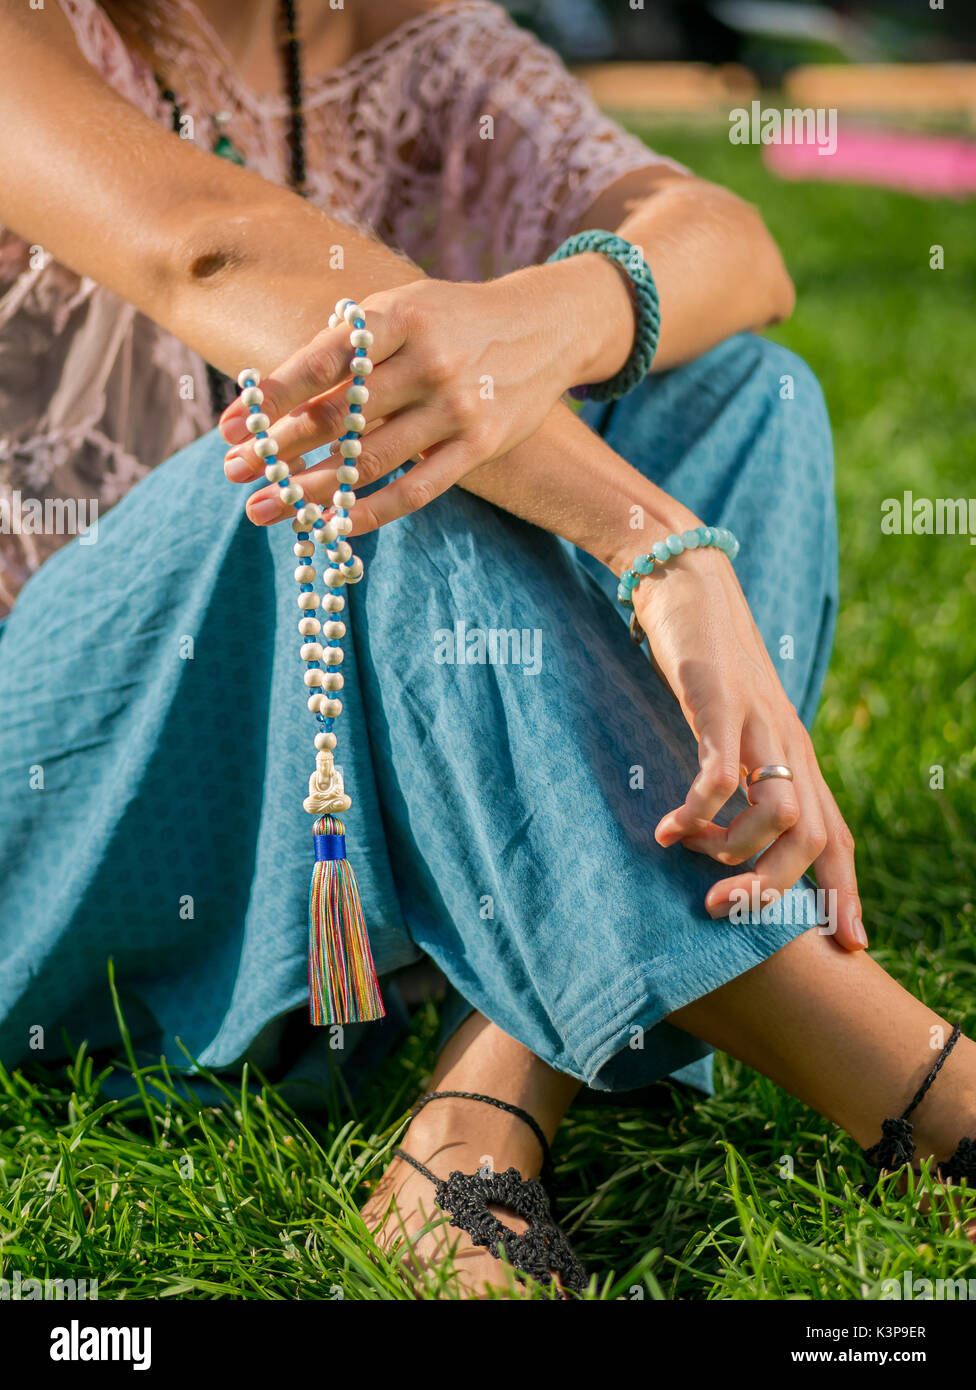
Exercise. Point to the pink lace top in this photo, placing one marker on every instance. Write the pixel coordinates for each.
(93, 394)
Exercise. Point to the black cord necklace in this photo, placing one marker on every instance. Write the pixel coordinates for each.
(222, 388)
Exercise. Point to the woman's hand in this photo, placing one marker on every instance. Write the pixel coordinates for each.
(708, 649)
(462, 373)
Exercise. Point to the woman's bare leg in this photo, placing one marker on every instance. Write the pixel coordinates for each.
(449, 1134)
(829, 1026)
(834, 1029)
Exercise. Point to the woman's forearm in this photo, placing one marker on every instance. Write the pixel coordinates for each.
(566, 480)
(237, 268)
(717, 269)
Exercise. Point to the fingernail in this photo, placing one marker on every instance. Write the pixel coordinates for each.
(233, 431)
(858, 932)
(238, 470)
(265, 509)
(716, 910)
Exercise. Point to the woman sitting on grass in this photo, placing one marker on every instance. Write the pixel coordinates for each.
(567, 837)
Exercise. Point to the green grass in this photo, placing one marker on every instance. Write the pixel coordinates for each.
(170, 1197)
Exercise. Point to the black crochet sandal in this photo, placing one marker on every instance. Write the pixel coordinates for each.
(543, 1249)
(896, 1147)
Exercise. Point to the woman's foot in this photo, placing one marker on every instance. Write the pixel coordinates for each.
(445, 1136)
(467, 1135)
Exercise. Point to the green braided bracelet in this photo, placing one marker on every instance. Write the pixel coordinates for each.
(629, 258)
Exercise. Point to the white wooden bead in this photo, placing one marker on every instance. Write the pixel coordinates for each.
(352, 573)
(361, 337)
(334, 320)
(275, 472)
(258, 421)
(298, 526)
(325, 740)
(332, 681)
(309, 514)
(252, 395)
(333, 655)
(334, 578)
(360, 366)
(341, 305)
(345, 500)
(351, 312)
(354, 422)
(265, 448)
(305, 574)
(331, 708)
(333, 631)
(291, 493)
(350, 448)
(302, 549)
(327, 533)
(342, 550)
(312, 651)
(333, 603)
(347, 474)
(248, 374)
(308, 601)
(308, 627)
(315, 702)
(313, 677)
(343, 525)
(357, 395)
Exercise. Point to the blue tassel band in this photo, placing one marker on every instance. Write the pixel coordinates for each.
(329, 847)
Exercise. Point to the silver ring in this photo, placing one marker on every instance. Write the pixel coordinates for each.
(763, 774)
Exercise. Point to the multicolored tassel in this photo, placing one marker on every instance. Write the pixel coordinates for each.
(341, 975)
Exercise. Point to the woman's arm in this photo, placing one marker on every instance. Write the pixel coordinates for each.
(235, 267)
(716, 267)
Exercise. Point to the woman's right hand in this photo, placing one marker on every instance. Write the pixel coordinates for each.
(707, 648)
(463, 374)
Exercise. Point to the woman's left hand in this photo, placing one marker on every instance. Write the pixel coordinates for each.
(709, 651)
(462, 373)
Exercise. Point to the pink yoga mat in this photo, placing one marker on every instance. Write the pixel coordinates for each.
(934, 165)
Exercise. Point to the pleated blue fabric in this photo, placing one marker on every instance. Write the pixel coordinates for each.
(508, 751)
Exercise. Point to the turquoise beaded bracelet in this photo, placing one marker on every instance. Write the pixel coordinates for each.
(629, 258)
(661, 552)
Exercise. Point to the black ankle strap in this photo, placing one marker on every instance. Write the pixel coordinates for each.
(919, 1095)
(897, 1143)
(546, 1174)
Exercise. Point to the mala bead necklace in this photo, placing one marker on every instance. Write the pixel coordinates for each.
(342, 977)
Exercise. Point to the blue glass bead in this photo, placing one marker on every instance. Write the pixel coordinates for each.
(629, 580)
(660, 551)
(303, 535)
(644, 564)
(675, 544)
(283, 482)
(690, 539)
(305, 588)
(705, 536)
